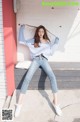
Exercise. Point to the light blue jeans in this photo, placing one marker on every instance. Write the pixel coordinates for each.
(39, 61)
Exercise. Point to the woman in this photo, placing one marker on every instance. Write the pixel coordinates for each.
(40, 49)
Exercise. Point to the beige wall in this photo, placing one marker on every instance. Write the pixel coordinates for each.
(32, 12)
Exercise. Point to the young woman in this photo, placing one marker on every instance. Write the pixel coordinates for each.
(40, 49)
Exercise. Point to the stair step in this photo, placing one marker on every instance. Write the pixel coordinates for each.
(54, 65)
(21, 72)
(66, 79)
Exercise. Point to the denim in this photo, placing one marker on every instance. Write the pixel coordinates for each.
(36, 63)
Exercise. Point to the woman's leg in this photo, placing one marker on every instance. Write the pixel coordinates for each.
(46, 67)
(55, 98)
(33, 67)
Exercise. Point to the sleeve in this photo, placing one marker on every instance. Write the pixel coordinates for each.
(54, 45)
(21, 37)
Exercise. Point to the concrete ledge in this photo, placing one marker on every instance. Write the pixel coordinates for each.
(54, 65)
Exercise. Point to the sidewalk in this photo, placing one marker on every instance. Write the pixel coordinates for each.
(37, 106)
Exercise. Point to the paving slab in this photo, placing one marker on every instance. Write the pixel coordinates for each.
(38, 107)
(71, 114)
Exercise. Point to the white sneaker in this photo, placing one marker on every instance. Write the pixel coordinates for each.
(58, 110)
(18, 109)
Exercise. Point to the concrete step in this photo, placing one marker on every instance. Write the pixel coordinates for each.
(20, 72)
(66, 79)
(54, 65)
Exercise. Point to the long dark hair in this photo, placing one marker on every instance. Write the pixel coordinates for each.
(37, 38)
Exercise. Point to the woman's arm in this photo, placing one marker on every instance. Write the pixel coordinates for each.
(21, 37)
(54, 45)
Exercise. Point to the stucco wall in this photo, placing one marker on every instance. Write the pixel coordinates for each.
(32, 12)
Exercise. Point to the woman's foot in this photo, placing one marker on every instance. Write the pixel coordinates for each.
(57, 109)
(18, 109)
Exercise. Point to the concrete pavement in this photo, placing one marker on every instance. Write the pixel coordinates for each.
(38, 107)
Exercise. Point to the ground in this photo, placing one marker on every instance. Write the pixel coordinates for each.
(38, 106)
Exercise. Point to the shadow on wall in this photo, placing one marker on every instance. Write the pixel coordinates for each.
(73, 33)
